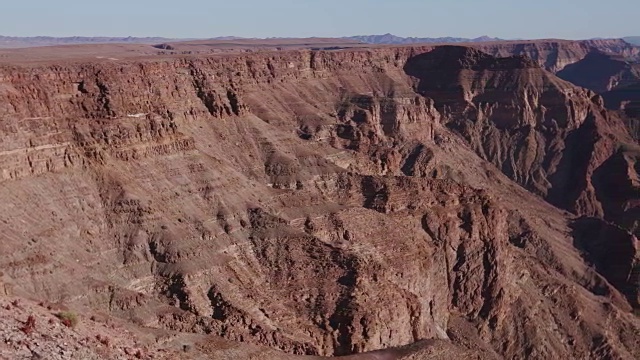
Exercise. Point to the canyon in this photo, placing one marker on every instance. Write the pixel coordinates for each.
(392, 202)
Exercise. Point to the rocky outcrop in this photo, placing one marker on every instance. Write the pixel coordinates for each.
(601, 72)
(614, 252)
(543, 132)
(320, 203)
(627, 100)
(617, 184)
(555, 55)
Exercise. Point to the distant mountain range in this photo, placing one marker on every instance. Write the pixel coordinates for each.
(635, 40)
(393, 39)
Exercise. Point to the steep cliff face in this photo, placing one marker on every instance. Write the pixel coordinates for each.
(613, 251)
(543, 132)
(618, 185)
(555, 55)
(313, 202)
(601, 72)
(552, 137)
(627, 100)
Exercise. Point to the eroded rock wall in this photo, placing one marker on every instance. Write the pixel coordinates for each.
(309, 201)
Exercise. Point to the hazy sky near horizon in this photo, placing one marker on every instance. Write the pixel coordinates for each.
(570, 19)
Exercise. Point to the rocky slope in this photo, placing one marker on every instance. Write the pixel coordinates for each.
(626, 99)
(552, 54)
(524, 120)
(30, 330)
(602, 72)
(324, 203)
(616, 78)
(555, 55)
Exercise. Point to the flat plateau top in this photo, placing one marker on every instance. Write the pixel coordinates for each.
(60, 54)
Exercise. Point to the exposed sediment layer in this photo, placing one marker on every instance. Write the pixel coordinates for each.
(321, 203)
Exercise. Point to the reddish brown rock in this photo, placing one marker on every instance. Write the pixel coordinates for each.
(601, 72)
(555, 55)
(315, 202)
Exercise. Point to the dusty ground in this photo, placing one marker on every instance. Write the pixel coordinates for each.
(94, 336)
(97, 336)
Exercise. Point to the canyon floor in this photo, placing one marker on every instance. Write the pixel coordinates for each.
(318, 199)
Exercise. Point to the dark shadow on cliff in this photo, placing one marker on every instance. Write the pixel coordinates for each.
(438, 70)
(613, 252)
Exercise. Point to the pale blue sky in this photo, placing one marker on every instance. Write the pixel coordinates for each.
(571, 19)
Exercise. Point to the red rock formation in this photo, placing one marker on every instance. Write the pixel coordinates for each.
(601, 72)
(614, 252)
(314, 201)
(545, 133)
(555, 55)
(626, 99)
